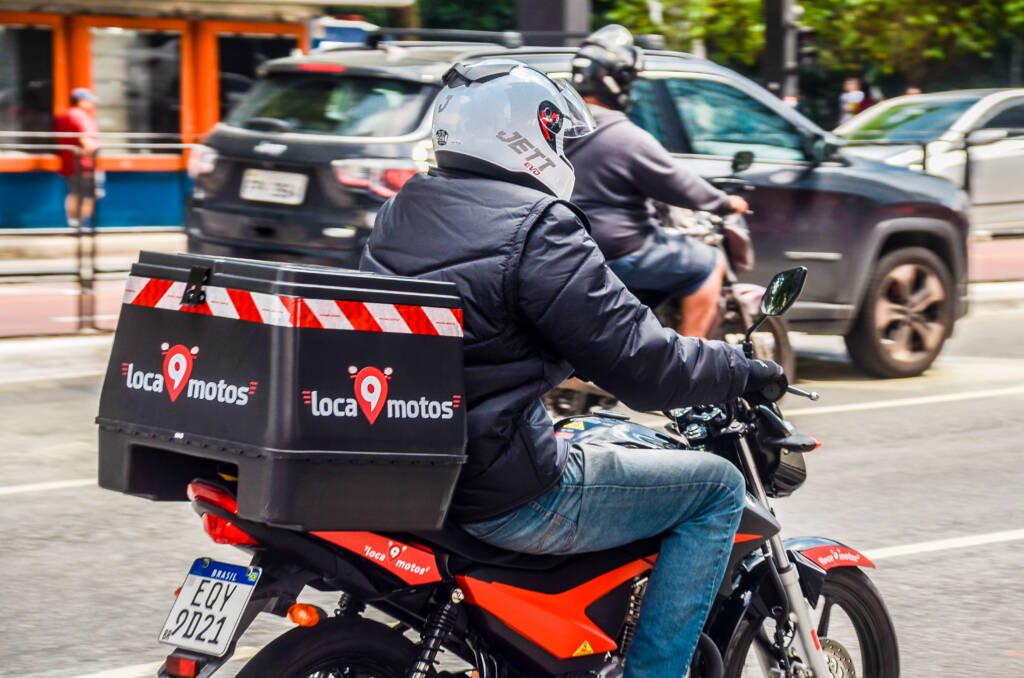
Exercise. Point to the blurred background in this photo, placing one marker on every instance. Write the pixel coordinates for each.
(195, 135)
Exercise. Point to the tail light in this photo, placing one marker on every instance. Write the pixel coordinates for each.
(220, 530)
(201, 160)
(383, 178)
(181, 667)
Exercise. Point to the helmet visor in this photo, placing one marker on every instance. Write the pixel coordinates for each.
(578, 120)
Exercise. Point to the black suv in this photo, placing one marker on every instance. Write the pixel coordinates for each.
(299, 169)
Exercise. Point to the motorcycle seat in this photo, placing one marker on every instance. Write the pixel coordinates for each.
(454, 540)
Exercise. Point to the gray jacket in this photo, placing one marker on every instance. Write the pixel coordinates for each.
(619, 169)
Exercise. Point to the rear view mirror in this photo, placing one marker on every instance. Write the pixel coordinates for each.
(783, 291)
(742, 161)
(817, 148)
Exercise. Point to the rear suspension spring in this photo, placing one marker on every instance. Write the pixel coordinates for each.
(440, 625)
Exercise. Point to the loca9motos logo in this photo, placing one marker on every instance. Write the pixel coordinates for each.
(176, 379)
(370, 386)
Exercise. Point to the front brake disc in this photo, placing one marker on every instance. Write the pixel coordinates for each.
(838, 659)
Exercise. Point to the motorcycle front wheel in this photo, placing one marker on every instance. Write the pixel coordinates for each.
(353, 648)
(856, 632)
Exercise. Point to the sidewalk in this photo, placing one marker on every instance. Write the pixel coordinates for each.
(997, 266)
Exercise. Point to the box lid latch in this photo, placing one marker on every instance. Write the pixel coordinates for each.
(194, 294)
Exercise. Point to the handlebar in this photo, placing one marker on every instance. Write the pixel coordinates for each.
(813, 396)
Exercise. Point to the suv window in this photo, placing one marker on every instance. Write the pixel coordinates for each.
(1010, 118)
(327, 104)
(644, 111)
(721, 120)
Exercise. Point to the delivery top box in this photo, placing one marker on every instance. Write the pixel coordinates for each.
(286, 372)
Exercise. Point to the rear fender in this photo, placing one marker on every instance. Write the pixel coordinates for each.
(753, 587)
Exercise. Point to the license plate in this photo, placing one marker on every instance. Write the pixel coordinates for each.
(208, 608)
(285, 188)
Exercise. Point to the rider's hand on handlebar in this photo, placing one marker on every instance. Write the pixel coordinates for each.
(738, 204)
(766, 381)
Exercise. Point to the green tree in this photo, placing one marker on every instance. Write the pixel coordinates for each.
(916, 40)
(730, 30)
(479, 15)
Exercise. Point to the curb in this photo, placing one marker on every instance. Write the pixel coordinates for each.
(65, 246)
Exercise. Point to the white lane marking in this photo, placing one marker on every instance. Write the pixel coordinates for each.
(945, 544)
(42, 487)
(149, 670)
(50, 376)
(906, 402)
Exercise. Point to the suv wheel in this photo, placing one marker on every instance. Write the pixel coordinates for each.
(906, 315)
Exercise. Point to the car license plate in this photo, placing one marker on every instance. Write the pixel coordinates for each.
(208, 608)
(285, 188)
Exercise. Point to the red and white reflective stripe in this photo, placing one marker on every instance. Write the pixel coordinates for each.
(285, 311)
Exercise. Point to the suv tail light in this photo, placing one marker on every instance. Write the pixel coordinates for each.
(220, 530)
(201, 160)
(383, 178)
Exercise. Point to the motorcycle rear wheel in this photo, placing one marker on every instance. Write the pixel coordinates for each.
(863, 629)
(354, 648)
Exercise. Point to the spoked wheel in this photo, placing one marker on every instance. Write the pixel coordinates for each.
(771, 342)
(335, 648)
(856, 633)
(906, 315)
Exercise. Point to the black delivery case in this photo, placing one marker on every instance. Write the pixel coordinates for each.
(335, 398)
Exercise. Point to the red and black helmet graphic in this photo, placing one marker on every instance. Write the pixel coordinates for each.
(550, 119)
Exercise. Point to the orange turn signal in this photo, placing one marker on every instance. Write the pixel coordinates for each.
(304, 614)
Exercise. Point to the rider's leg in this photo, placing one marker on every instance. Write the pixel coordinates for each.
(698, 310)
(611, 496)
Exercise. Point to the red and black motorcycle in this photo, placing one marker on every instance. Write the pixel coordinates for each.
(793, 608)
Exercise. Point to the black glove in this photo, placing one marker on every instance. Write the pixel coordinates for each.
(766, 380)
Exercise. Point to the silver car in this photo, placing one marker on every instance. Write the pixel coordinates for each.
(974, 138)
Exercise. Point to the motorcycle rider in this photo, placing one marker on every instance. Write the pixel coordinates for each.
(625, 168)
(539, 302)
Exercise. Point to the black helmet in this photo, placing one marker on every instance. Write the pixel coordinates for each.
(606, 65)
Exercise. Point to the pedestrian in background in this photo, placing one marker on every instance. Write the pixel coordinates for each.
(851, 101)
(84, 182)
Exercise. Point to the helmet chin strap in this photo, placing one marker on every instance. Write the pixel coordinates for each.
(619, 96)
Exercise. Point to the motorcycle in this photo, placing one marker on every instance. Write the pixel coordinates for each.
(787, 608)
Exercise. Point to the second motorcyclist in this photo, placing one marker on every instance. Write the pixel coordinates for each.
(622, 169)
(539, 302)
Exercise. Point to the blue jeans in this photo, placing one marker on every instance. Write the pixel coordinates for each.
(610, 496)
(671, 263)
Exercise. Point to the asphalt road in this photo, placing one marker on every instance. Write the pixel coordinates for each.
(912, 471)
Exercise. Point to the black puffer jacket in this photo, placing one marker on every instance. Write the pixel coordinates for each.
(539, 302)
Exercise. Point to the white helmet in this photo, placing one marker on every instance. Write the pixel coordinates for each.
(503, 119)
